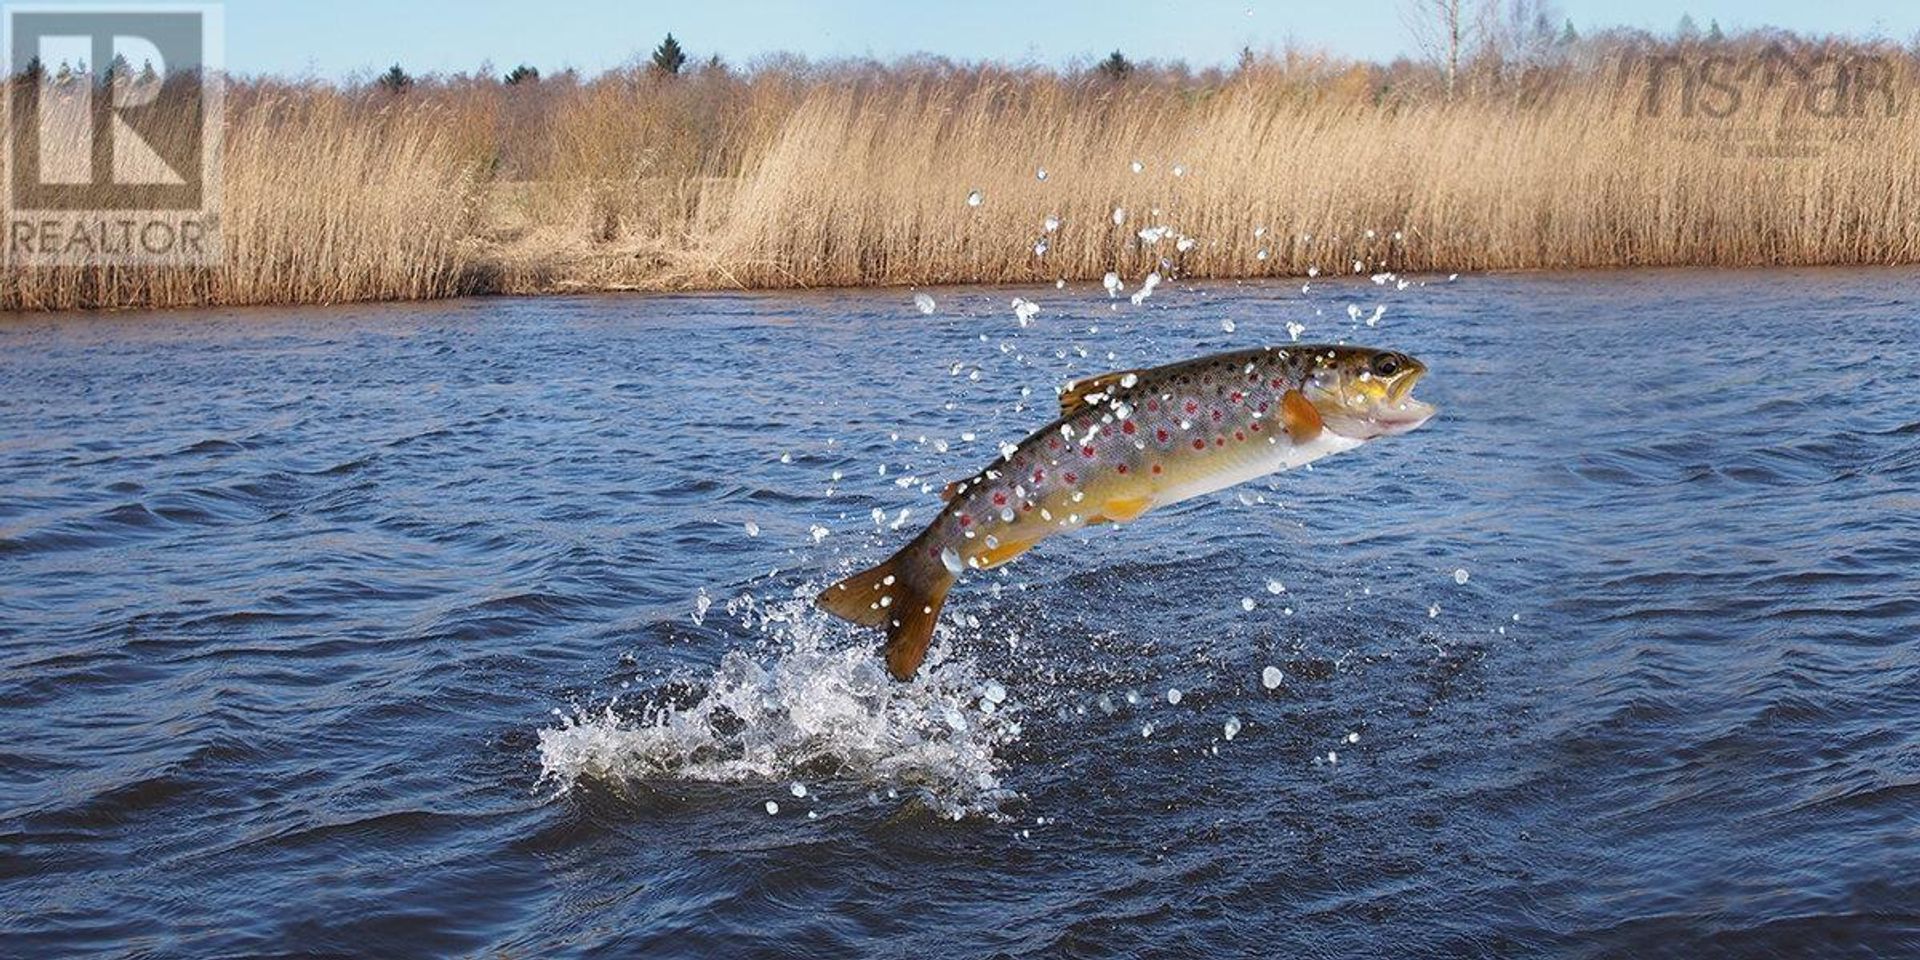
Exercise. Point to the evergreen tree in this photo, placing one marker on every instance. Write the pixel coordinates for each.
(522, 74)
(1687, 30)
(668, 58)
(1713, 32)
(1569, 36)
(1116, 66)
(395, 80)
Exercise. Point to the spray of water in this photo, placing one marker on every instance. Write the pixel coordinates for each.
(811, 703)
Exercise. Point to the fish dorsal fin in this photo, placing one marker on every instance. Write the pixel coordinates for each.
(1094, 389)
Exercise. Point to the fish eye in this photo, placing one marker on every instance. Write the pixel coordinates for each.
(1388, 364)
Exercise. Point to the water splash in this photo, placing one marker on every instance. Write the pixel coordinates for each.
(805, 707)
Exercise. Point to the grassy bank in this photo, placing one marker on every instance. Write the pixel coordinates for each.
(1606, 152)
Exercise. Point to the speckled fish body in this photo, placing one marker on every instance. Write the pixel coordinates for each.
(1125, 443)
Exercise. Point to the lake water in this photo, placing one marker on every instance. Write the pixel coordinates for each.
(478, 628)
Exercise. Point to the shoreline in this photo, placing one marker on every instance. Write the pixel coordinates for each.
(1570, 272)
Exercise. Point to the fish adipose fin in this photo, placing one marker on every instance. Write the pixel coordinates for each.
(1075, 395)
(1301, 418)
(904, 595)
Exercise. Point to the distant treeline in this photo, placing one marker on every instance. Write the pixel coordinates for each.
(1531, 146)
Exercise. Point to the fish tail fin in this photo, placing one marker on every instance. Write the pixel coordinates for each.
(904, 595)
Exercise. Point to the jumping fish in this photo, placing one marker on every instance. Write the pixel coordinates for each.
(1125, 443)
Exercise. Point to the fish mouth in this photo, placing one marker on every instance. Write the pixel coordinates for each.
(1401, 416)
(1400, 412)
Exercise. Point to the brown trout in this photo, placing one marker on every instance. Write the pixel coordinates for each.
(1125, 443)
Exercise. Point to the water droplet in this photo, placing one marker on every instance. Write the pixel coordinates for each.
(974, 198)
(799, 789)
(1173, 696)
(1052, 224)
(1232, 728)
(1179, 170)
(1270, 678)
(995, 692)
(1460, 576)
(1138, 166)
(772, 808)
(1119, 215)
(1226, 325)
(1276, 587)
(753, 529)
(1040, 174)
(1247, 604)
(1433, 611)
(950, 558)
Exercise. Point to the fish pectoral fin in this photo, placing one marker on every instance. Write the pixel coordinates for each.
(1074, 395)
(1125, 509)
(1001, 552)
(1300, 417)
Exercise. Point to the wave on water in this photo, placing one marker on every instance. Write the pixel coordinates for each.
(804, 706)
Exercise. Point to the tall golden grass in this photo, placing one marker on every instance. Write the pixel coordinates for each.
(796, 175)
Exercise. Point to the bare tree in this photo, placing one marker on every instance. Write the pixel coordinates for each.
(1444, 30)
(1523, 33)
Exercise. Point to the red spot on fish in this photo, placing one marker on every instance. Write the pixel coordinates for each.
(1156, 468)
(1236, 396)
(966, 521)
(1262, 408)
(1161, 435)
(1127, 427)
(1153, 405)
(1000, 499)
(1120, 468)
(1028, 506)
(1039, 476)
(1087, 452)
(1053, 443)
(1199, 444)
(1072, 477)
(1219, 441)
(1192, 407)
(1276, 383)
(1254, 426)
(1237, 435)
(1217, 415)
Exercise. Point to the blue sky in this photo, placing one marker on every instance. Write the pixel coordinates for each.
(344, 37)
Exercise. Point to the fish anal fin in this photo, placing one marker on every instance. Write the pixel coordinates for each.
(1001, 552)
(1125, 509)
(1300, 417)
(1075, 395)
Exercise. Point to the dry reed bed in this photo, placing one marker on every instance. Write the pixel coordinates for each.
(862, 176)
